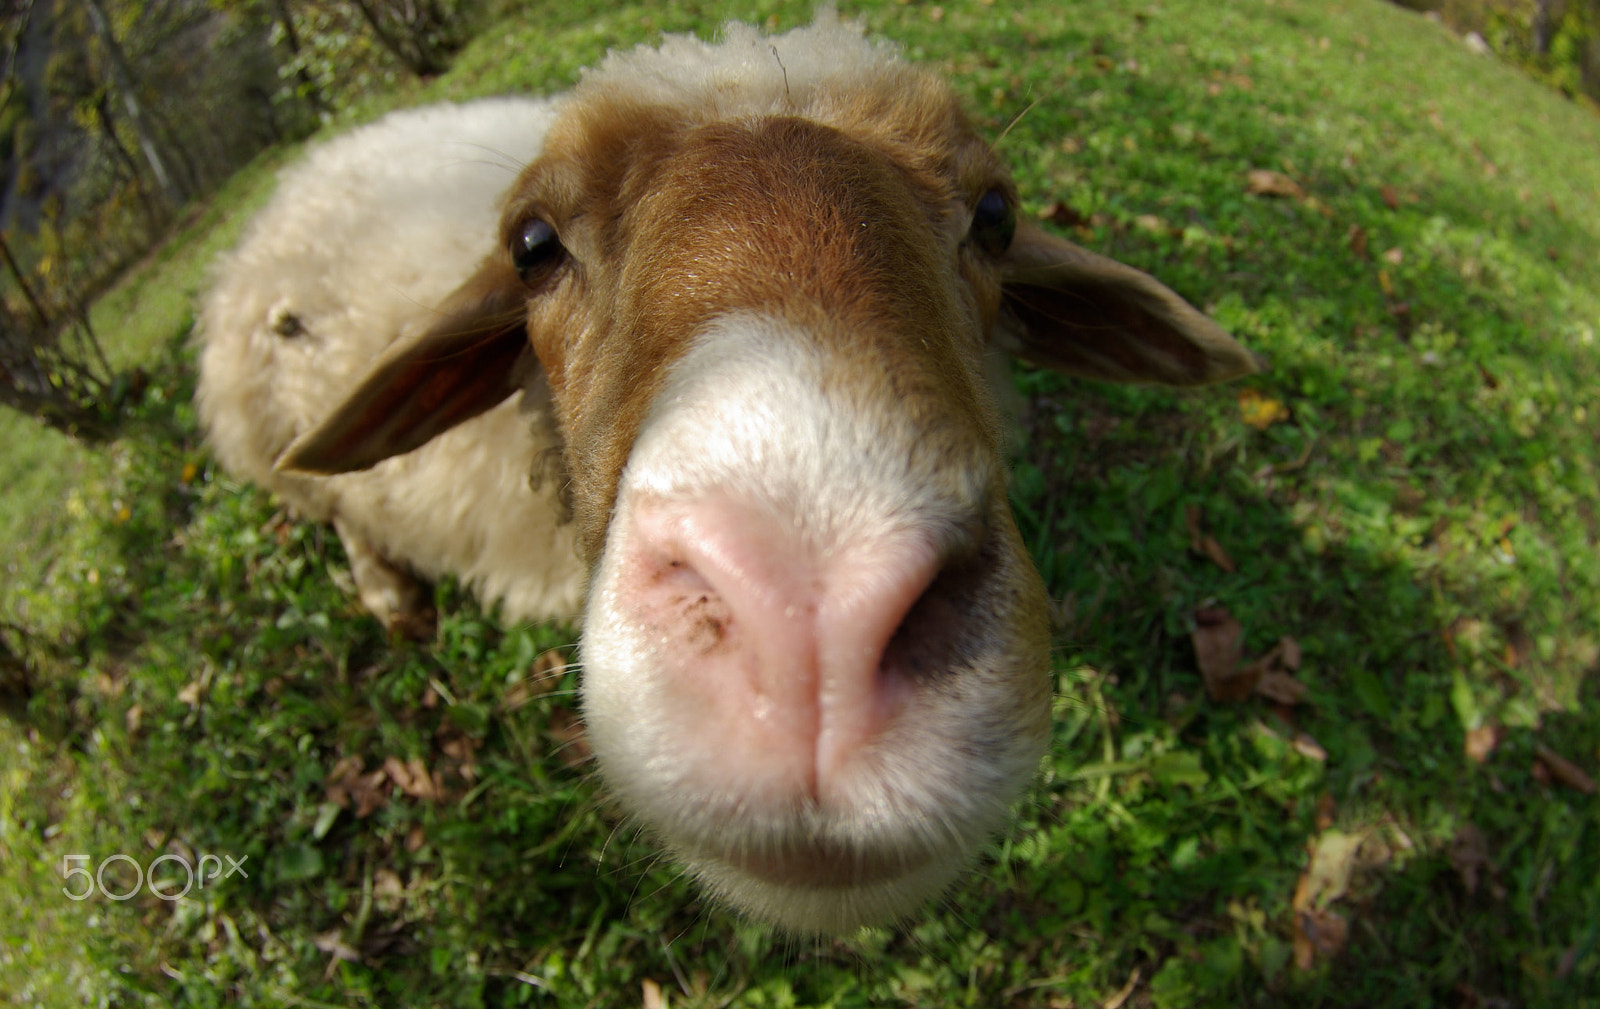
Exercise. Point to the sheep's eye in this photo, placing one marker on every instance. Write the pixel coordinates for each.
(994, 223)
(536, 251)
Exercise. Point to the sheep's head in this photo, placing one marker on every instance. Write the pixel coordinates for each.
(763, 282)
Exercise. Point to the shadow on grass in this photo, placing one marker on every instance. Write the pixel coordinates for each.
(1190, 868)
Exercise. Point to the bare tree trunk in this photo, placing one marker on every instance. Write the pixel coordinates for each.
(108, 126)
(1546, 16)
(414, 49)
(122, 80)
(308, 84)
(67, 389)
(21, 278)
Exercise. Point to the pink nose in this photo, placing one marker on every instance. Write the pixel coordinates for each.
(777, 648)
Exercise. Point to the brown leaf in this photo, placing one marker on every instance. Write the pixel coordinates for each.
(1266, 182)
(1325, 811)
(1289, 653)
(1216, 638)
(461, 751)
(1191, 521)
(416, 837)
(346, 784)
(1563, 770)
(1481, 742)
(412, 778)
(544, 675)
(1212, 549)
(1303, 744)
(1318, 934)
(387, 890)
(1061, 215)
(570, 738)
(1391, 197)
(1357, 237)
(1282, 687)
(1273, 669)
(1469, 855)
(332, 942)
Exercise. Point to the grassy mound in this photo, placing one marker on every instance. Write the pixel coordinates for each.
(1403, 516)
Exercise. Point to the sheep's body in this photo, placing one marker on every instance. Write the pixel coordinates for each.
(361, 243)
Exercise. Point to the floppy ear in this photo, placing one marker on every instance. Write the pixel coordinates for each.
(472, 358)
(1082, 314)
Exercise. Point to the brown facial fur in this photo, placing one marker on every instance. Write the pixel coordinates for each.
(847, 230)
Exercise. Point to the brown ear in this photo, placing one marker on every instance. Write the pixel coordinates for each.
(1082, 314)
(475, 356)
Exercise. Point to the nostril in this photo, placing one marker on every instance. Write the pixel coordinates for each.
(926, 646)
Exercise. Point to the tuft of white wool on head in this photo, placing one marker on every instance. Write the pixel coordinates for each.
(749, 293)
(748, 73)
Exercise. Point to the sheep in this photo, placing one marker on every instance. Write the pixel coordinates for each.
(752, 293)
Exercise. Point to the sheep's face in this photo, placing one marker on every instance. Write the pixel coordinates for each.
(815, 652)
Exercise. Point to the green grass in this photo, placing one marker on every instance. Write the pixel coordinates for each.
(1425, 522)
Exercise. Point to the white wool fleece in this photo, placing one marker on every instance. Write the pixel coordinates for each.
(362, 241)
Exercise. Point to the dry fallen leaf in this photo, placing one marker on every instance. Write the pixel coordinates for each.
(1259, 411)
(387, 890)
(1481, 742)
(332, 942)
(1201, 543)
(1303, 744)
(1063, 216)
(412, 778)
(1122, 995)
(1216, 638)
(1212, 549)
(347, 784)
(1469, 855)
(1318, 930)
(1266, 182)
(571, 741)
(1281, 687)
(1325, 811)
(1325, 880)
(1318, 934)
(1273, 673)
(1563, 770)
(1391, 197)
(543, 676)
(1357, 238)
